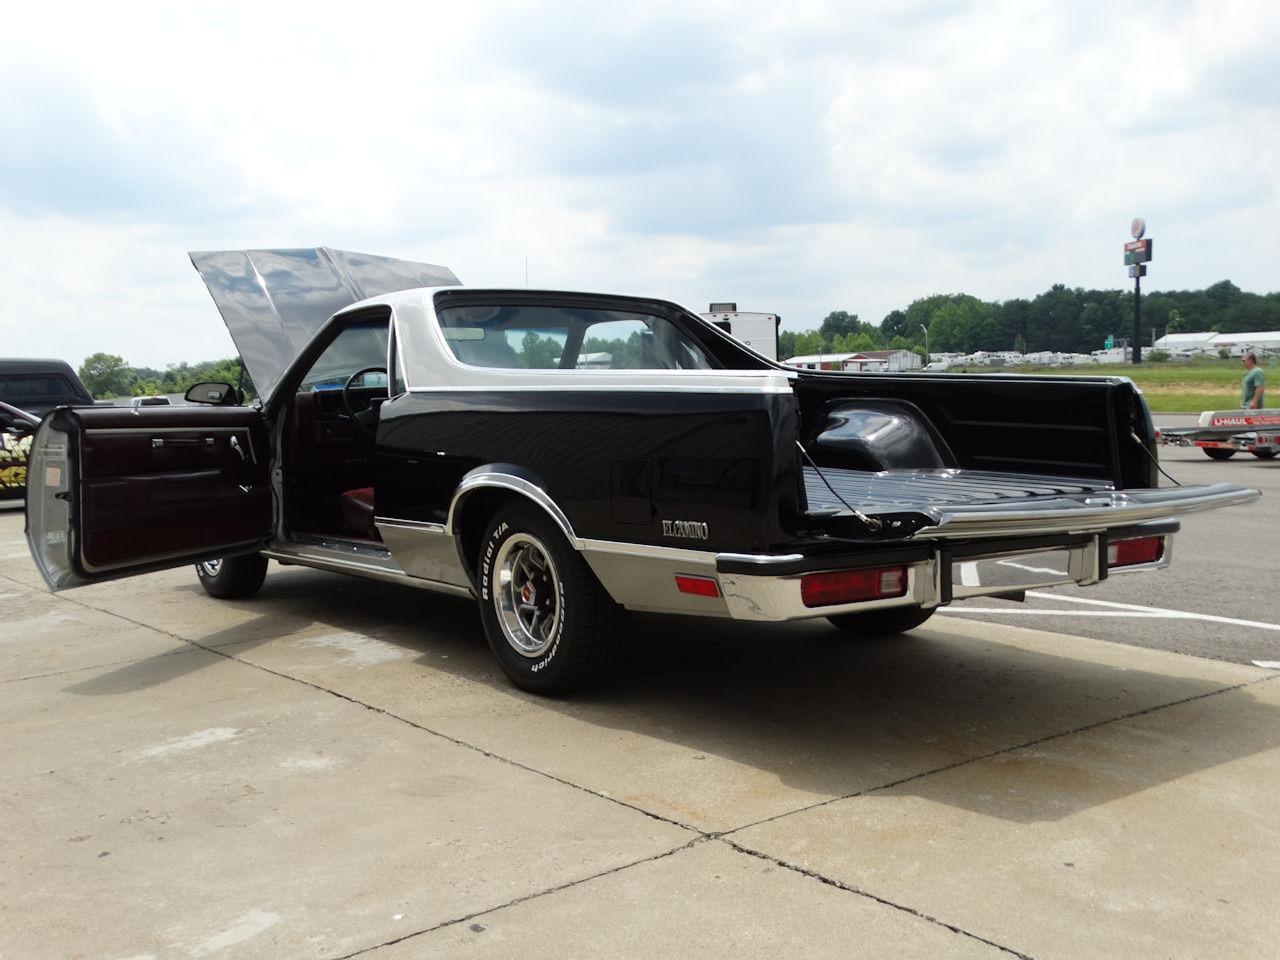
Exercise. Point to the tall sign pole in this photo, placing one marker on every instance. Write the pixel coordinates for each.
(1136, 256)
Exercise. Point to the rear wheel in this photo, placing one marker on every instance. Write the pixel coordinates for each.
(548, 620)
(231, 577)
(1265, 454)
(1217, 453)
(881, 623)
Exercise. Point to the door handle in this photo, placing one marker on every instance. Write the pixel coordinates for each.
(235, 445)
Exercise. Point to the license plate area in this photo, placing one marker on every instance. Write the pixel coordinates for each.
(1021, 570)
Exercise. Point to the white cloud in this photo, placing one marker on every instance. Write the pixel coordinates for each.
(800, 158)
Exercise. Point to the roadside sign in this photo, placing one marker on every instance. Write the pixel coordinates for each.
(1137, 251)
(1137, 228)
(1138, 270)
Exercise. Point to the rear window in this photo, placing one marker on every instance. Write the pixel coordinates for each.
(514, 336)
(42, 387)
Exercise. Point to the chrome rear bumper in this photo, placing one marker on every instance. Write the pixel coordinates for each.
(946, 574)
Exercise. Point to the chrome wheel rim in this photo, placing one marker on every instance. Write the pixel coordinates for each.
(526, 595)
(210, 568)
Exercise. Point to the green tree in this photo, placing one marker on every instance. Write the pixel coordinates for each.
(105, 375)
(541, 353)
(837, 323)
(787, 344)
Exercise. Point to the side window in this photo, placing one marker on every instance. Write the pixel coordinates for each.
(568, 338)
(361, 345)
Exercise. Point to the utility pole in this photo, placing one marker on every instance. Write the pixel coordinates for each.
(1136, 256)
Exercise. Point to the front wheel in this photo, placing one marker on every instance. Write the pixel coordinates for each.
(231, 577)
(1217, 453)
(548, 620)
(881, 623)
(1268, 454)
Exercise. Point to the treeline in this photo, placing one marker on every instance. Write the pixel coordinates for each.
(107, 375)
(1062, 319)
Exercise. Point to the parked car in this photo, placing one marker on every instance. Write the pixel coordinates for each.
(34, 387)
(452, 438)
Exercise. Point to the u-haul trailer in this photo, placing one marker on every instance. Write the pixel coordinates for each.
(1221, 434)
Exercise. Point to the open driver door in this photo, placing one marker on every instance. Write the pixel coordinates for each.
(113, 491)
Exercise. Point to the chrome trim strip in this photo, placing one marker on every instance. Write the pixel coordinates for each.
(744, 389)
(482, 477)
(761, 559)
(650, 551)
(388, 572)
(424, 526)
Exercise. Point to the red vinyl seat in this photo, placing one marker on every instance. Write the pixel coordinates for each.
(357, 513)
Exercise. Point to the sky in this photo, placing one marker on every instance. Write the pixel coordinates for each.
(795, 158)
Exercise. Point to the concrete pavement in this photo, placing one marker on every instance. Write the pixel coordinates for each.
(336, 768)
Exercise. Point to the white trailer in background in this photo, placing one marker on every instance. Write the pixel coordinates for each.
(759, 331)
(1223, 433)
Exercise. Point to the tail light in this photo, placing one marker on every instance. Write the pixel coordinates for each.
(1126, 553)
(852, 586)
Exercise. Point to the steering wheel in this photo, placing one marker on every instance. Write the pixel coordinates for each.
(367, 428)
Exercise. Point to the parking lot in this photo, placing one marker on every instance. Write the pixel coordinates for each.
(337, 768)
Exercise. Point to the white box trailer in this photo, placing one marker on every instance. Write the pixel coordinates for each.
(1223, 433)
(759, 331)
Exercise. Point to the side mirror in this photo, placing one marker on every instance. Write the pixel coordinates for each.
(213, 393)
(15, 421)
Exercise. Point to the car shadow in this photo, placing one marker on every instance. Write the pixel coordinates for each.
(825, 713)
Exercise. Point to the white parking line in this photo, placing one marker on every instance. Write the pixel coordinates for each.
(1114, 610)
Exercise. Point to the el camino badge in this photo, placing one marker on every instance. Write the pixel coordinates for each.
(686, 529)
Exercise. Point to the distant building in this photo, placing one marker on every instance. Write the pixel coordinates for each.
(868, 361)
(1208, 343)
(1263, 341)
(1195, 342)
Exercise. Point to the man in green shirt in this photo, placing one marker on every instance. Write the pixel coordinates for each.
(1251, 387)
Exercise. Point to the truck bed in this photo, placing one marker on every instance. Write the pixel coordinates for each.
(907, 490)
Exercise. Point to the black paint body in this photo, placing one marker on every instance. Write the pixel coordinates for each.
(619, 462)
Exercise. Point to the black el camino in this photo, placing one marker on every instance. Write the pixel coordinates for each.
(566, 457)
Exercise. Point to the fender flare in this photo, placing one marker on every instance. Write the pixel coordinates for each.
(513, 478)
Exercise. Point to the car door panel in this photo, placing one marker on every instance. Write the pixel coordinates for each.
(116, 491)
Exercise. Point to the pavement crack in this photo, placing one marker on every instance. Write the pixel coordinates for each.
(569, 885)
(919, 914)
(405, 720)
(1084, 728)
(98, 666)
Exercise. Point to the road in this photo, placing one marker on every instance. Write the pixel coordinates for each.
(1224, 570)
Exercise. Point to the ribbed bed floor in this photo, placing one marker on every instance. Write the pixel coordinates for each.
(894, 490)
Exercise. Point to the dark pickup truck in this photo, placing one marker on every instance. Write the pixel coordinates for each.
(31, 387)
(565, 457)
